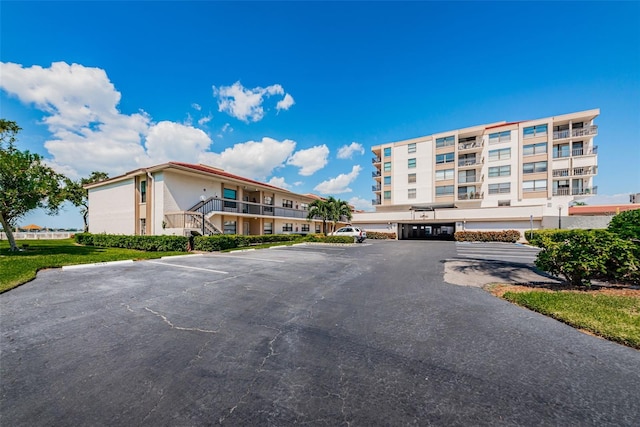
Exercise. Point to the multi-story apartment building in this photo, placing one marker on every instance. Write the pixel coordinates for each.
(489, 177)
(184, 199)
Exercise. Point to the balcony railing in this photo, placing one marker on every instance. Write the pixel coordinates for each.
(376, 160)
(235, 206)
(587, 170)
(584, 151)
(576, 133)
(469, 162)
(470, 145)
(565, 191)
(470, 196)
(376, 187)
(375, 202)
(376, 174)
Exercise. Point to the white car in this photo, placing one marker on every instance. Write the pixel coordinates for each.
(358, 234)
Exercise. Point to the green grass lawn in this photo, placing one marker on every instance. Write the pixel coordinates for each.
(20, 267)
(616, 318)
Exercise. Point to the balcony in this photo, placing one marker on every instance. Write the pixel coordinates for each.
(375, 160)
(237, 207)
(585, 151)
(469, 162)
(576, 133)
(470, 196)
(565, 191)
(376, 174)
(470, 145)
(376, 202)
(377, 187)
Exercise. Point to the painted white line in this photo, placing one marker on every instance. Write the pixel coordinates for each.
(247, 258)
(188, 267)
(180, 256)
(96, 264)
(493, 257)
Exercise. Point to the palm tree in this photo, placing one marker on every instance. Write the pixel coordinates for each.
(319, 209)
(339, 209)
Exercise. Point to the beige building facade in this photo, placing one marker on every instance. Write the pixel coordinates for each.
(187, 199)
(496, 176)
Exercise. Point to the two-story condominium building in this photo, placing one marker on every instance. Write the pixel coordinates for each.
(184, 199)
(498, 176)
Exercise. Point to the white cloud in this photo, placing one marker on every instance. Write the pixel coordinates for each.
(339, 184)
(227, 128)
(285, 103)
(252, 159)
(204, 120)
(278, 181)
(310, 160)
(196, 106)
(361, 204)
(169, 141)
(346, 151)
(246, 104)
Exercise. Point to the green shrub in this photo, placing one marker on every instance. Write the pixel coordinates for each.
(143, 243)
(583, 255)
(221, 242)
(509, 236)
(381, 235)
(338, 239)
(535, 238)
(626, 224)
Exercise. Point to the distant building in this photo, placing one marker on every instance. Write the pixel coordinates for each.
(634, 198)
(601, 210)
(495, 176)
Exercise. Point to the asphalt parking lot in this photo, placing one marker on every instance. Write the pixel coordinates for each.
(366, 334)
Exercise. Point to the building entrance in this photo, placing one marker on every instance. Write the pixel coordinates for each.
(426, 231)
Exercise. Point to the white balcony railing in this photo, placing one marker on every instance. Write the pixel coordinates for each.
(576, 133)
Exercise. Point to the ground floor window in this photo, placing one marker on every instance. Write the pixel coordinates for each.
(318, 228)
(305, 227)
(143, 225)
(268, 228)
(229, 227)
(287, 227)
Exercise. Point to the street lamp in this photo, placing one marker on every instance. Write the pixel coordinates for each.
(559, 217)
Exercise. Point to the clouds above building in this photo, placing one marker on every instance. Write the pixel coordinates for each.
(247, 104)
(339, 184)
(347, 151)
(310, 160)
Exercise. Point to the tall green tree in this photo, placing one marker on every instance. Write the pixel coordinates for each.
(319, 209)
(75, 192)
(26, 183)
(340, 210)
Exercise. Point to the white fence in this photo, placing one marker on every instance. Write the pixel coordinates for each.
(41, 235)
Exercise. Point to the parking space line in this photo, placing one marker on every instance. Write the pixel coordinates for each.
(248, 258)
(188, 267)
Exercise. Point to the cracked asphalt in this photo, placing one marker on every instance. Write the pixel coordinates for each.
(357, 335)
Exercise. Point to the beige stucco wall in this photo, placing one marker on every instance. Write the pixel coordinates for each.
(111, 208)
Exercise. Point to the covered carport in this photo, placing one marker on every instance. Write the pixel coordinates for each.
(425, 224)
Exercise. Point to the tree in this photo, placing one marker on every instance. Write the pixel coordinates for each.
(79, 196)
(319, 209)
(626, 224)
(26, 183)
(338, 209)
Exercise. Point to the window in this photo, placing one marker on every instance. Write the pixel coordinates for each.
(533, 131)
(411, 148)
(536, 185)
(444, 174)
(287, 227)
(411, 178)
(268, 228)
(387, 166)
(387, 180)
(533, 149)
(412, 193)
(318, 228)
(305, 228)
(499, 171)
(229, 227)
(444, 158)
(387, 152)
(501, 154)
(444, 190)
(495, 138)
(387, 195)
(230, 194)
(504, 202)
(445, 142)
(501, 188)
(143, 225)
(534, 167)
(578, 149)
(561, 150)
(467, 176)
(412, 163)
(143, 191)
(287, 203)
(304, 206)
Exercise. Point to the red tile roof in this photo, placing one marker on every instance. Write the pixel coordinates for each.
(602, 209)
(220, 172)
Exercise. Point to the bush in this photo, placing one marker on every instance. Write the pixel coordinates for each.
(626, 224)
(509, 236)
(220, 242)
(380, 235)
(583, 255)
(143, 243)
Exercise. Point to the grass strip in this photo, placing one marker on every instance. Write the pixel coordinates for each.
(616, 318)
(17, 268)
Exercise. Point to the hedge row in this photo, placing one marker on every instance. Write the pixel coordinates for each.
(143, 243)
(510, 236)
(583, 255)
(380, 235)
(220, 242)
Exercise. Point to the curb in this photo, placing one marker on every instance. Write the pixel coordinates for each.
(95, 264)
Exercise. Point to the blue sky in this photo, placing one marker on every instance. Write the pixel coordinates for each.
(296, 93)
